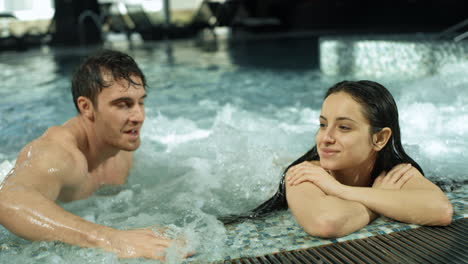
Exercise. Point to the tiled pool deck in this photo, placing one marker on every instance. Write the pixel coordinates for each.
(281, 233)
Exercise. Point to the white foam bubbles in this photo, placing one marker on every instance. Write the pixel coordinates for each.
(5, 168)
(172, 132)
(434, 119)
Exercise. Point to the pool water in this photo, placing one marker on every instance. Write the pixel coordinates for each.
(224, 121)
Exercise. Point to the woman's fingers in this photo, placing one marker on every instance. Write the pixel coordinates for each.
(293, 172)
(294, 177)
(378, 180)
(395, 178)
(403, 179)
(300, 179)
(290, 176)
(395, 174)
(298, 171)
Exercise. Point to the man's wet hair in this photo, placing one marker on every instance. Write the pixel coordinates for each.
(88, 79)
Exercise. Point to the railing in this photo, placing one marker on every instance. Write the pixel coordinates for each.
(454, 33)
(97, 21)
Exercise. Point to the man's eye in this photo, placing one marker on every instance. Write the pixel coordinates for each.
(122, 105)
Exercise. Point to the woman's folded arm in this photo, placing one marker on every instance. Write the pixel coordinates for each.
(418, 201)
(323, 215)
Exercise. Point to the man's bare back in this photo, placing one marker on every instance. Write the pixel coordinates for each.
(69, 162)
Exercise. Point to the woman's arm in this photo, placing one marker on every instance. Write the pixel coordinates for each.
(324, 215)
(418, 201)
(402, 194)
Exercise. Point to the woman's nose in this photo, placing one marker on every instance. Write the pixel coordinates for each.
(329, 136)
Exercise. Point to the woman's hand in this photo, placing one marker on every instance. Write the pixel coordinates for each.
(307, 172)
(395, 178)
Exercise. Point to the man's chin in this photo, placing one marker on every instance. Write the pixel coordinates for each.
(130, 147)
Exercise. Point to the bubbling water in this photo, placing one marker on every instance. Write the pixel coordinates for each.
(434, 122)
(216, 140)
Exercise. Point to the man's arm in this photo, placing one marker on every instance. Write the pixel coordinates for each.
(324, 215)
(28, 214)
(27, 207)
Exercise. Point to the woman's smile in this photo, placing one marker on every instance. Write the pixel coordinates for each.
(328, 152)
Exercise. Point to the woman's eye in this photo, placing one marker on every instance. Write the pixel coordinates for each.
(323, 125)
(344, 128)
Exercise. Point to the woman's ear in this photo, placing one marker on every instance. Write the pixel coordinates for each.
(86, 107)
(381, 138)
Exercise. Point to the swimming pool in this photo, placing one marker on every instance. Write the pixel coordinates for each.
(224, 121)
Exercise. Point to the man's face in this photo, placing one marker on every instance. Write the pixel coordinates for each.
(119, 114)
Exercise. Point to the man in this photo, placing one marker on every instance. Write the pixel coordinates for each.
(69, 162)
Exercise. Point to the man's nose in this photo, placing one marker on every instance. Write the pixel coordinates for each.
(138, 113)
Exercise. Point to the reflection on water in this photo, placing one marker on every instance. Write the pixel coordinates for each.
(220, 128)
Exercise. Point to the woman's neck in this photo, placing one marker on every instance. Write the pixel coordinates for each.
(357, 176)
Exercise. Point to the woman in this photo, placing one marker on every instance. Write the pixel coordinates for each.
(357, 170)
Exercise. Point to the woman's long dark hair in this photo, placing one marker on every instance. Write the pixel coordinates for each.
(380, 109)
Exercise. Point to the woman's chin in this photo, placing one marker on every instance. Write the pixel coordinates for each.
(328, 166)
(325, 165)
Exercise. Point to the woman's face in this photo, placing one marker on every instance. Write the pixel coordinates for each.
(343, 140)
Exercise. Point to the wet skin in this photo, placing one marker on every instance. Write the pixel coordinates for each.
(70, 162)
(336, 196)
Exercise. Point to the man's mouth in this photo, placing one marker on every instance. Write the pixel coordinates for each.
(132, 132)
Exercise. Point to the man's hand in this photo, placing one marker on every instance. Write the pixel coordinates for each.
(395, 178)
(308, 172)
(136, 243)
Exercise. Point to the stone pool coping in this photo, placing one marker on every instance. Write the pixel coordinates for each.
(281, 233)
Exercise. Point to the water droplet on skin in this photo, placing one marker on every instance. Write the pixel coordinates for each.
(52, 170)
(29, 152)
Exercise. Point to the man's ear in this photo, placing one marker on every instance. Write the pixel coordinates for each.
(86, 107)
(381, 138)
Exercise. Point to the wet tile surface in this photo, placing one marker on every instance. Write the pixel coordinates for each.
(281, 232)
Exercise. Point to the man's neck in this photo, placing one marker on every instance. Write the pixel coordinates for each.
(90, 143)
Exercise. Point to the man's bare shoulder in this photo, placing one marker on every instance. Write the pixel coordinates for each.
(51, 156)
(57, 141)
